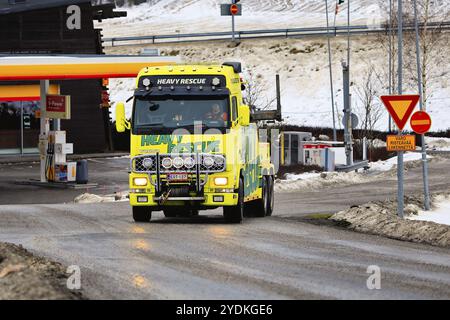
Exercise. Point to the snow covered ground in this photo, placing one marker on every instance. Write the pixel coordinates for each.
(301, 63)
(186, 16)
(440, 214)
(386, 165)
(438, 144)
(315, 180)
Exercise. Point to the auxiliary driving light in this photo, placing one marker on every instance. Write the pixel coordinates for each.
(147, 163)
(140, 181)
(166, 163)
(178, 162)
(189, 162)
(219, 161)
(208, 162)
(221, 181)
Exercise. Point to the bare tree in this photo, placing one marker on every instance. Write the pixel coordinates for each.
(369, 108)
(433, 43)
(255, 94)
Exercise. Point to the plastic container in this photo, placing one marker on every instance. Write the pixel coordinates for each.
(82, 172)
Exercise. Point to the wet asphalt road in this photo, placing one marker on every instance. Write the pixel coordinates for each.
(280, 257)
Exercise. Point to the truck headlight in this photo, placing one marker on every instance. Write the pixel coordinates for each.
(140, 182)
(221, 181)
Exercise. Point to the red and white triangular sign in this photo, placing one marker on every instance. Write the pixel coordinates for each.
(400, 107)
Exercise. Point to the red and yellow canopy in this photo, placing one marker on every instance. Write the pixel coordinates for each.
(56, 67)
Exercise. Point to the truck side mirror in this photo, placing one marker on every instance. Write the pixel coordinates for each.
(245, 115)
(121, 122)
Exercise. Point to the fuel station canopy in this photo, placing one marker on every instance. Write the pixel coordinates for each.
(69, 67)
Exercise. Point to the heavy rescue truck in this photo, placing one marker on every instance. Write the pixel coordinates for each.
(193, 146)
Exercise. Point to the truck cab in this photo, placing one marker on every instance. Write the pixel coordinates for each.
(193, 146)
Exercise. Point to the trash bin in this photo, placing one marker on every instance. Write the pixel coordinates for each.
(82, 172)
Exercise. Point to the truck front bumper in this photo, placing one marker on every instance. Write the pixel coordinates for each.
(207, 200)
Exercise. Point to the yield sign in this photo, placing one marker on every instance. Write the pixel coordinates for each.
(400, 107)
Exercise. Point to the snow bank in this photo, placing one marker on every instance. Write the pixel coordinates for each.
(380, 218)
(439, 214)
(386, 165)
(301, 176)
(437, 144)
(318, 180)
(313, 180)
(93, 198)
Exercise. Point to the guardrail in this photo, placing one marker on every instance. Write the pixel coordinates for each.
(266, 33)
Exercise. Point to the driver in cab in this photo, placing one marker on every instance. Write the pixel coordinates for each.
(216, 114)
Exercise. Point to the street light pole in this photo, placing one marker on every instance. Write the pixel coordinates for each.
(331, 73)
(348, 35)
(390, 58)
(400, 192)
(426, 188)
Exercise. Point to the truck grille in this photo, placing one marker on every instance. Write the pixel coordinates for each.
(209, 163)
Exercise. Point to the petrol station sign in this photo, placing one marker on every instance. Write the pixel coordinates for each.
(57, 107)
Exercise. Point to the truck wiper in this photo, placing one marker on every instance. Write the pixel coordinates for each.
(192, 125)
(145, 128)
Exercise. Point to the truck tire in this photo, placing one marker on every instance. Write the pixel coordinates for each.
(142, 214)
(270, 195)
(170, 213)
(234, 214)
(258, 207)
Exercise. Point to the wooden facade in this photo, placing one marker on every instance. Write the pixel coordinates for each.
(43, 30)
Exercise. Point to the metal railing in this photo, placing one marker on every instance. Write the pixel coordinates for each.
(266, 33)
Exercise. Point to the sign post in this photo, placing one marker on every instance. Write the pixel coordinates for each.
(400, 107)
(426, 187)
(233, 9)
(44, 128)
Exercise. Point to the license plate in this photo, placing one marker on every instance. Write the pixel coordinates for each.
(177, 177)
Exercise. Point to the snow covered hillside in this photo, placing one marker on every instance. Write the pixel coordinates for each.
(301, 63)
(170, 16)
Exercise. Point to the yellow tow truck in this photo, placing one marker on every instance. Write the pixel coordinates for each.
(194, 146)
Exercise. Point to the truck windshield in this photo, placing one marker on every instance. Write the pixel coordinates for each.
(152, 115)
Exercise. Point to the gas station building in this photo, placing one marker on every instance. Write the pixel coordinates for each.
(40, 28)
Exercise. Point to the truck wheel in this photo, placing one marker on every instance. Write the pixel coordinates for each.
(170, 213)
(270, 195)
(234, 214)
(259, 207)
(142, 214)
